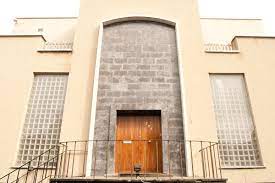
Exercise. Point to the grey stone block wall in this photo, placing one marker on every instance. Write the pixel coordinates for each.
(139, 71)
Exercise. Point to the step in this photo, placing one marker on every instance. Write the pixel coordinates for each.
(137, 180)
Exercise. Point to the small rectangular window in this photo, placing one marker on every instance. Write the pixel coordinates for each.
(235, 125)
(38, 134)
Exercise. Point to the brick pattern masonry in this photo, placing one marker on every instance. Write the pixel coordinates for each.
(139, 67)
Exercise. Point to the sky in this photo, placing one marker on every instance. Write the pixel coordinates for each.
(9, 9)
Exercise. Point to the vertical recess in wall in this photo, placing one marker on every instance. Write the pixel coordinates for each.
(138, 71)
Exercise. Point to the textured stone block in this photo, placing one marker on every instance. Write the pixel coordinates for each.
(138, 67)
(118, 61)
(133, 86)
(133, 60)
(120, 73)
(145, 79)
(149, 73)
(143, 67)
(114, 94)
(115, 67)
(129, 67)
(159, 80)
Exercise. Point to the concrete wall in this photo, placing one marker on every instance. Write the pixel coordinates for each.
(19, 63)
(256, 61)
(222, 30)
(59, 29)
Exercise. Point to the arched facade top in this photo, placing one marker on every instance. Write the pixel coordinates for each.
(139, 18)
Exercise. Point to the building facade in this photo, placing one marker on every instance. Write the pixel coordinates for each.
(137, 88)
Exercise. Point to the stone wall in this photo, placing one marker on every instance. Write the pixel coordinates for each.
(139, 71)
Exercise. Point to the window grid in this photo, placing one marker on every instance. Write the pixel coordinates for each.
(43, 119)
(235, 126)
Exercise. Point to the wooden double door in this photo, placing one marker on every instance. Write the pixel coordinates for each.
(138, 143)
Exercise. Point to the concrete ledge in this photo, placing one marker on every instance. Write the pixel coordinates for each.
(255, 36)
(53, 50)
(246, 167)
(46, 17)
(23, 35)
(224, 52)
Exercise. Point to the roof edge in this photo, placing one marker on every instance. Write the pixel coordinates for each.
(23, 35)
(256, 36)
(72, 17)
(75, 17)
(221, 18)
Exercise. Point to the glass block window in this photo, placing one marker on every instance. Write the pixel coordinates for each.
(235, 126)
(43, 119)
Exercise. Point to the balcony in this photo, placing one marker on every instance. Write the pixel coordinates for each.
(56, 47)
(104, 161)
(221, 48)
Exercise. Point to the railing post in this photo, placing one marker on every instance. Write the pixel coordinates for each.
(84, 160)
(29, 164)
(132, 163)
(49, 151)
(57, 159)
(107, 158)
(202, 160)
(208, 166)
(145, 153)
(95, 158)
(35, 176)
(60, 167)
(73, 159)
(218, 149)
(43, 169)
(52, 167)
(157, 159)
(65, 158)
(211, 158)
(120, 149)
(68, 164)
(181, 164)
(215, 160)
(18, 175)
(192, 161)
(8, 178)
(169, 168)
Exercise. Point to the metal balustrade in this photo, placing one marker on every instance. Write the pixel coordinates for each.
(220, 48)
(55, 46)
(73, 157)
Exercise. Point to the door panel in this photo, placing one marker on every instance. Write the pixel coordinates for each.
(139, 142)
(152, 133)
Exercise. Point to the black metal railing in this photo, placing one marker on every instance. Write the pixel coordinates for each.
(74, 160)
(36, 170)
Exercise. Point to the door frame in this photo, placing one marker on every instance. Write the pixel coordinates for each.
(134, 113)
(144, 107)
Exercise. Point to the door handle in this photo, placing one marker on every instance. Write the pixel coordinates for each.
(127, 142)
